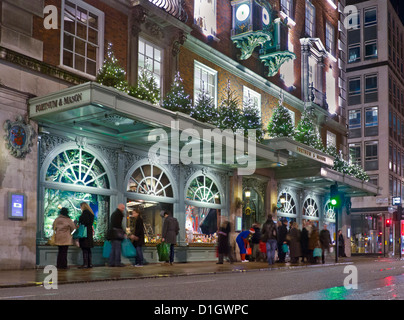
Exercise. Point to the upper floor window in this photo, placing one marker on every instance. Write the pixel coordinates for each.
(354, 91)
(150, 58)
(205, 16)
(205, 78)
(287, 7)
(82, 37)
(331, 139)
(370, 17)
(253, 97)
(310, 19)
(329, 37)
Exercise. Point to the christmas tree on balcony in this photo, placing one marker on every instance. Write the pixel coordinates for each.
(281, 123)
(306, 131)
(177, 99)
(204, 109)
(251, 119)
(111, 74)
(147, 87)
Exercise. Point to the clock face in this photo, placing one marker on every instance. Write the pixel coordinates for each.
(242, 12)
(265, 16)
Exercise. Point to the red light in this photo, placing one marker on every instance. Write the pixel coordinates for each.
(388, 222)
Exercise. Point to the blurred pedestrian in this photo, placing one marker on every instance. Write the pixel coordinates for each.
(242, 241)
(282, 233)
(170, 232)
(294, 243)
(63, 227)
(223, 242)
(314, 243)
(341, 244)
(136, 235)
(269, 236)
(304, 242)
(255, 242)
(325, 242)
(116, 234)
(87, 219)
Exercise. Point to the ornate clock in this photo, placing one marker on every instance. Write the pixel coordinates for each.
(18, 137)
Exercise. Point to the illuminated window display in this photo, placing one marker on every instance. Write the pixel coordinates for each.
(69, 169)
(150, 192)
(202, 210)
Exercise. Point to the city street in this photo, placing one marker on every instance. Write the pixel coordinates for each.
(378, 279)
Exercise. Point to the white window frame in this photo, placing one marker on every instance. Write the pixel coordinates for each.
(310, 19)
(153, 60)
(204, 18)
(331, 139)
(287, 7)
(329, 38)
(255, 96)
(212, 72)
(100, 53)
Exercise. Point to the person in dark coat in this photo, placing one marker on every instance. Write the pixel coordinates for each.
(269, 236)
(341, 244)
(255, 241)
(116, 235)
(282, 233)
(170, 232)
(325, 242)
(304, 242)
(86, 219)
(223, 242)
(137, 236)
(294, 243)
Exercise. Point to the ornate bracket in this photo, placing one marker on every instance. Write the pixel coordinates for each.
(248, 42)
(275, 60)
(18, 137)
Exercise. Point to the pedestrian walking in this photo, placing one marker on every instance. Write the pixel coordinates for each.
(170, 232)
(87, 219)
(223, 242)
(242, 241)
(294, 243)
(314, 243)
(304, 242)
(136, 235)
(282, 233)
(255, 242)
(341, 244)
(269, 236)
(116, 234)
(63, 227)
(325, 242)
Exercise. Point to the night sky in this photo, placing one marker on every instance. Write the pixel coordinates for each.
(399, 5)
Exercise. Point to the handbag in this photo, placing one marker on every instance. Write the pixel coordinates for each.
(163, 251)
(285, 248)
(128, 250)
(317, 252)
(81, 232)
(106, 249)
(249, 251)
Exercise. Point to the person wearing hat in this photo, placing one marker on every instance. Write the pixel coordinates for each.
(242, 242)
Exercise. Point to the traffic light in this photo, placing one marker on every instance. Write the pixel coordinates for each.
(388, 223)
(335, 197)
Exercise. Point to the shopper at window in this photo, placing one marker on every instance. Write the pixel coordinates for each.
(63, 227)
(86, 219)
(116, 235)
(282, 233)
(223, 242)
(170, 232)
(137, 236)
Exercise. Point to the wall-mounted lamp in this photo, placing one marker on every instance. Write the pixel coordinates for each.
(247, 193)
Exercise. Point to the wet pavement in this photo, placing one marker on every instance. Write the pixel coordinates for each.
(36, 277)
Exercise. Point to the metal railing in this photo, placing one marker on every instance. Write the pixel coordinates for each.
(318, 97)
(173, 7)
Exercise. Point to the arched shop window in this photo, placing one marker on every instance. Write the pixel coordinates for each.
(286, 205)
(72, 177)
(203, 210)
(310, 209)
(329, 212)
(151, 192)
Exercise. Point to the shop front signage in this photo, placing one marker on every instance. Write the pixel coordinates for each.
(314, 155)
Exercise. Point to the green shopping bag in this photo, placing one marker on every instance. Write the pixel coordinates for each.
(163, 251)
(106, 250)
(127, 248)
(81, 232)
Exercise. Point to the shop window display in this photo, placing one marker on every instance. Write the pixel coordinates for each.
(69, 169)
(201, 220)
